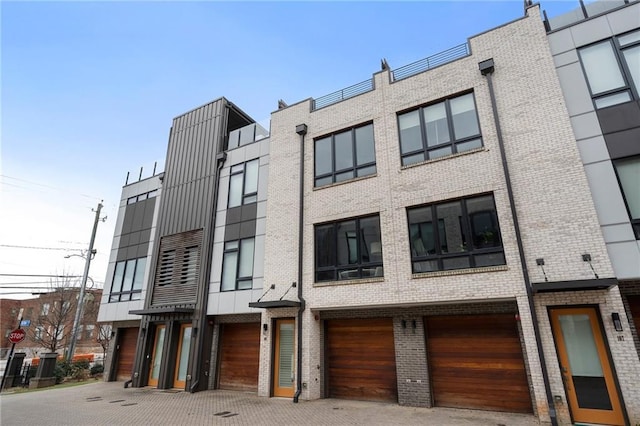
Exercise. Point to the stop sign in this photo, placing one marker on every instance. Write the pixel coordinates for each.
(17, 335)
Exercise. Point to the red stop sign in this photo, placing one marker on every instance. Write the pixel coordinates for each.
(17, 335)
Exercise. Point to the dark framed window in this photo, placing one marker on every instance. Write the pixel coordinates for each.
(628, 172)
(455, 234)
(237, 265)
(345, 155)
(243, 183)
(612, 68)
(142, 197)
(440, 129)
(127, 281)
(349, 249)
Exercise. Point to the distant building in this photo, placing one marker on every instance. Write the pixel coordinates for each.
(433, 236)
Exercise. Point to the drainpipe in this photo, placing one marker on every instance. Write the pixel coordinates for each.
(301, 129)
(486, 69)
(202, 324)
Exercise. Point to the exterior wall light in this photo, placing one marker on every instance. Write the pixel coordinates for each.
(617, 324)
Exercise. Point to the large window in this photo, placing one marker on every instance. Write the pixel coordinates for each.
(345, 155)
(612, 68)
(349, 249)
(628, 171)
(455, 235)
(243, 183)
(127, 280)
(237, 265)
(439, 129)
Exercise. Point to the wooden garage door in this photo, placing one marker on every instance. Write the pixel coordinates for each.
(634, 304)
(476, 361)
(361, 360)
(239, 356)
(127, 339)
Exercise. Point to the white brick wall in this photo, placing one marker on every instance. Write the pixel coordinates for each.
(552, 198)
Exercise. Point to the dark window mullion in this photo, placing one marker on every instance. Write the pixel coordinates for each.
(452, 138)
(423, 134)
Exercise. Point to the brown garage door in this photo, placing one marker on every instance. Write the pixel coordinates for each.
(239, 356)
(127, 339)
(634, 304)
(476, 361)
(361, 359)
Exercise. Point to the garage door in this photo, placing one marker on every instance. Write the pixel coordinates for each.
(127, 339)
(361, 361)
(476, 361)
(634, 304)
(239, 356)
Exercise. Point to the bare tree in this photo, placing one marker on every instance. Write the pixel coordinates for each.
(104, 337)
(51, 328)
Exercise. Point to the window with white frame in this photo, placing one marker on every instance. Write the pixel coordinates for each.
(243, 183)
(237, 265)
(612, 68)
(439, 129)
(45, 309)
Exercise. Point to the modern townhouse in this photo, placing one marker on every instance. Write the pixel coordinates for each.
(426, 237)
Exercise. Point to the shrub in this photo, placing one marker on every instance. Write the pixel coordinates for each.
(97, 369)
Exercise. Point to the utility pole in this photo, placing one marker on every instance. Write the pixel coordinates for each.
(80, 304)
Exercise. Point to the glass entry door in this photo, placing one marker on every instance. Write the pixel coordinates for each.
(182, 358)
(156, 356)
(585, 366)
(283, 371)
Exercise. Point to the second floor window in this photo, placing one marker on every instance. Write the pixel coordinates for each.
(345, 155)
(612, 68)
(455, 234)
(128, 278)
(243, 183)
(348, 249)
(439, 129)
(45, 309)
(237, 265)
(628, 171)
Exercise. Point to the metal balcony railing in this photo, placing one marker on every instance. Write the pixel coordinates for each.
(432, 61)
(346, 93)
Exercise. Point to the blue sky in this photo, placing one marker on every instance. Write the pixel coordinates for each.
(89, 89)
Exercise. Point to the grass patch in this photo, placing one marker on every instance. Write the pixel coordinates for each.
(68, 384)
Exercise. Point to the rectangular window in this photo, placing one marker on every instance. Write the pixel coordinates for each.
(455, 235)
(439, 129)
(349, 249)
(345, 155)
(88, 331)
(39, 332)
(237, 265)
(127, 281)
(628, 171)
(243, 183)
(45, 309)
(612, 68)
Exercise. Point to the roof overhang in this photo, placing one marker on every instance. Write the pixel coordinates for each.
(575, 285)
(162, 310)
(275, 304)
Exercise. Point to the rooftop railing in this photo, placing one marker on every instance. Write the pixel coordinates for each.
(432, 61)
(406, 71)
(341, 95)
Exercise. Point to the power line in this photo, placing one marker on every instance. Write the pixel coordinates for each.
(40, 248)
(41, 276)
(45, 186)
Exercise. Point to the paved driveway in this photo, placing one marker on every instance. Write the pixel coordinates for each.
(103, 403)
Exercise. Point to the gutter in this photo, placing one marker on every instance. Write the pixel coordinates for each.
(301, 129)
(486, 69)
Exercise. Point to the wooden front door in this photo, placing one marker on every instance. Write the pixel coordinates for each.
(361, 359)
(283, 368)
(475, 361)
(585, 366)
(239, 356)
(182, 357)
(156, 356)
(126, 347)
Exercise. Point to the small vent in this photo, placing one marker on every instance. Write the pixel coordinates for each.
(165, 270)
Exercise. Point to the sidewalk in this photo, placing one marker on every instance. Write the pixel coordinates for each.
(110, 404)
